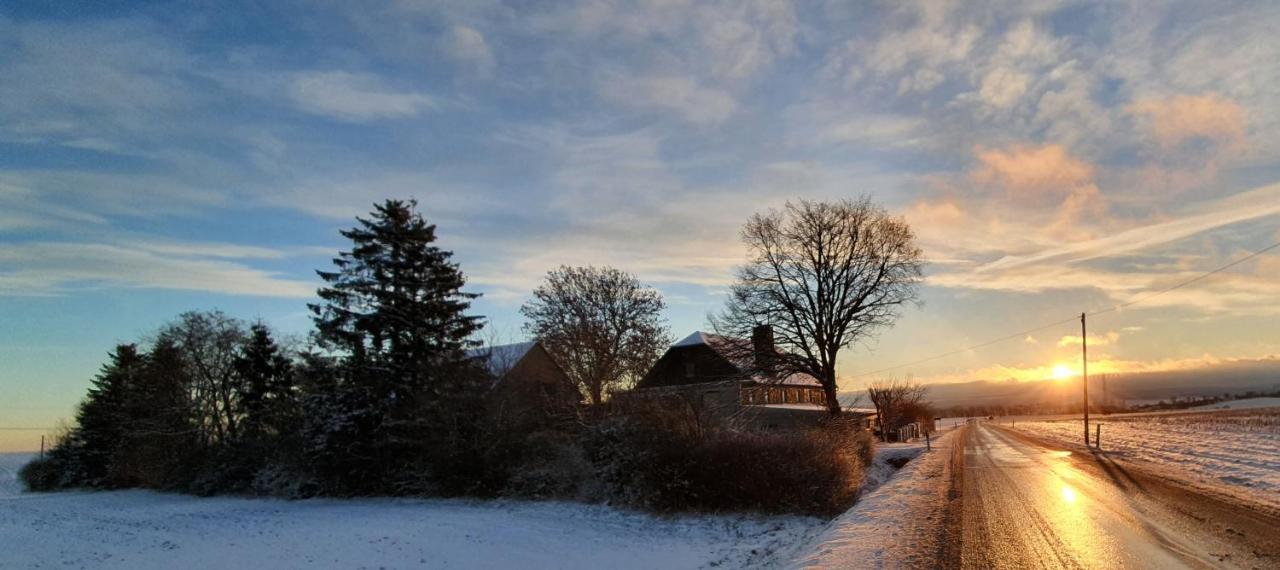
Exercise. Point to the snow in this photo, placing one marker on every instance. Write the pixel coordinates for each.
(695, 339)
(894, 526)
(1231, 451)
(1245, 404)
(144, 529)
(882, 465)
(10, 463)
(499, 359)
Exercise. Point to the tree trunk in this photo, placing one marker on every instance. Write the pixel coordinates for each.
(597, 390)
(829, 390)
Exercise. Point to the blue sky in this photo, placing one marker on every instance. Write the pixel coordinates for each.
(1054, 157)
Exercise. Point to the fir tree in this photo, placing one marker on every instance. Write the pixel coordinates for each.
(102, 418)
(158, 430)
(267, 391)
(394, 304)
(395, 313)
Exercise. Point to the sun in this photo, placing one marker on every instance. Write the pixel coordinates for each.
(1061, 372)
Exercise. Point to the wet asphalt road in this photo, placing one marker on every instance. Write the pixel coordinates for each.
(1027, 504)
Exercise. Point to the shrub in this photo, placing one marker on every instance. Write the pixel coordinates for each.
(644, 462)
(551, 464)
(42, 474)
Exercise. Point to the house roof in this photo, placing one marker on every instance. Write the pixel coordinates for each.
(500, 358)
(738, 352)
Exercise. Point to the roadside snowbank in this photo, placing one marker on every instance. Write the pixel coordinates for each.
(1235, 451)
(898, 525)
(143, 529)
(889, 458)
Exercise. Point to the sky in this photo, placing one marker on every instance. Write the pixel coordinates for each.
(1052, 157)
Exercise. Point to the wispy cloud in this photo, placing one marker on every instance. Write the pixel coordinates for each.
(53, 268)
(355, 97)
(1253, 204)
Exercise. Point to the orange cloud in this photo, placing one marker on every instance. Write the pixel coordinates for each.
(1103, 340)
(1023, 169)
(931, 213)
(1176, 119)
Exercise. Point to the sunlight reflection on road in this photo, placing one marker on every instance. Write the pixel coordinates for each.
(1068, 494)
(1039, 508)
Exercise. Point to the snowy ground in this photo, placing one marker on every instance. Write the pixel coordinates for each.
(889, 458)
(1245, 404)
(1235, 450)
(142, 529)
(897, 524)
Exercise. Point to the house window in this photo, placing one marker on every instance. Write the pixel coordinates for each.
(688, 370)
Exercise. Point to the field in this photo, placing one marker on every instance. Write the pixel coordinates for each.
(143, 529)
(1234, 450)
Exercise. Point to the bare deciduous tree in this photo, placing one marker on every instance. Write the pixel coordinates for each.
(600, 324)
(895, 400)
(210, 342)
(823, 275)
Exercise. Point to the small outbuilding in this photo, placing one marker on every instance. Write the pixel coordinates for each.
(527, 383)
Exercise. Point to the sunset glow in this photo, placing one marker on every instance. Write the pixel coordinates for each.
(1062, 372)
(1050, 160)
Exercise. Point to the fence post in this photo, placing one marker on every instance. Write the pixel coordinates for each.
(927, 445)
(1097, 436)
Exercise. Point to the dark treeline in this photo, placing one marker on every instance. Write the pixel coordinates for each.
(374, 405)
(383, 400)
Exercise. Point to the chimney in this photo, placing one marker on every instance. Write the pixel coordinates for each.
(762, 346)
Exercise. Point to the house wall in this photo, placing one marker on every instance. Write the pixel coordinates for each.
(762, 394)
(534, 387)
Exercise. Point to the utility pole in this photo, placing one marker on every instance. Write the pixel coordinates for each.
(1084, 376)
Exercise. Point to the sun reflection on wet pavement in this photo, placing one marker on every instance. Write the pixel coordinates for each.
(1030, 506)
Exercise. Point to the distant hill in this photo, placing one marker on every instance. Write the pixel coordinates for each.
(1233, 377)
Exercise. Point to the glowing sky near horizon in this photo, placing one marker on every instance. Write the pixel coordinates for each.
(1054, 158)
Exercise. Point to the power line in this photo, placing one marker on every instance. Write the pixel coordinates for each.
(1189, 281)
(1074, 318)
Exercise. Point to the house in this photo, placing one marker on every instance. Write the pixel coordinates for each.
(723, 377)
(528, 384)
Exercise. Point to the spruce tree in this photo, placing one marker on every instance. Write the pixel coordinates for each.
(267, 392)
(103, 417)
(159, 434)
(394, 304)
(394, 312)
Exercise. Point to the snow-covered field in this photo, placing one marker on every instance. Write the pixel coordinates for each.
(1235, 450)
(142, 529)
(1245, 404)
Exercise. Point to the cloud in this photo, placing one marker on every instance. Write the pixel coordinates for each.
(1094, 340)
(1253, 204)
(1174, 120)
(55, 268)
(1102, 365)
(1002, 87)
(1027, 170)
(467, 45)
(696, 104)
(354, 97)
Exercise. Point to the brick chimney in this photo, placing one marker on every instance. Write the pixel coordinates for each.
(762, 346)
